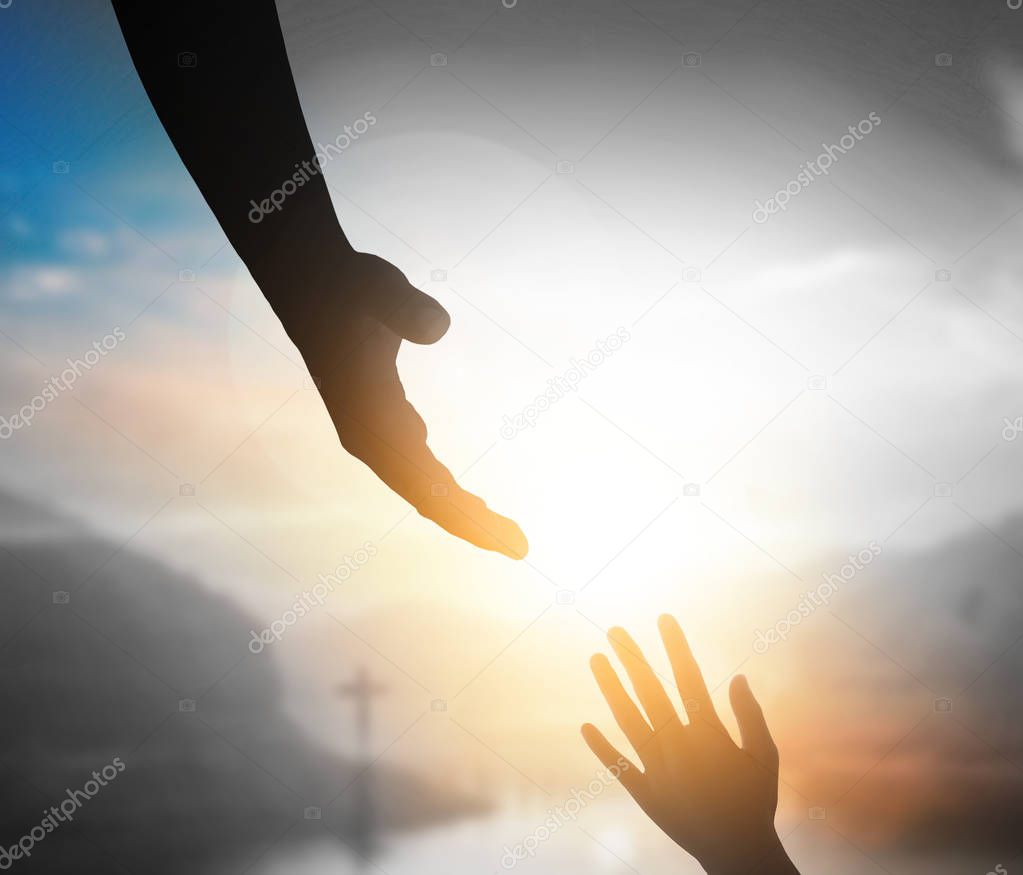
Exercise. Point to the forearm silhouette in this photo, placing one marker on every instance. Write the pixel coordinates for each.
(219, 79)
(713, 798)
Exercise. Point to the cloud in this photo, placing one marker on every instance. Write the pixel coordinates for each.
(904, 773)
(85, 242)
(40, 282)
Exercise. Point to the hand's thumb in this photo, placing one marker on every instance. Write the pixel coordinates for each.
(409, 313)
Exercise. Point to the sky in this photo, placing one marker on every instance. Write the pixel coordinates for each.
(787, 392)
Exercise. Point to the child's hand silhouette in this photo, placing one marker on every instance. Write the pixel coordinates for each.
(715, 799)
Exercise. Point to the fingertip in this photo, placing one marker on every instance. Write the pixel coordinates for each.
(467, 516)
(430, 323)
(410, 312)
(518, 544)
(504, 533)
(593, 737)
(512, 544)
(739, 688)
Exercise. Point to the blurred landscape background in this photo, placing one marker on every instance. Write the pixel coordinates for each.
(846, 376)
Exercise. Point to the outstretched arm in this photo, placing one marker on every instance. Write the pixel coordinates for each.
(715, 799)
(219, 78)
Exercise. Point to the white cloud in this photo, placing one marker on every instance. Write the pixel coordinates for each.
(84, 241)
(38, 283)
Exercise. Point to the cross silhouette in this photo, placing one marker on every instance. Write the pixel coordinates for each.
(365, 826)
(362, 690)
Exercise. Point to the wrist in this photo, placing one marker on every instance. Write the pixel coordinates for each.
(300, 272)
(763, 856)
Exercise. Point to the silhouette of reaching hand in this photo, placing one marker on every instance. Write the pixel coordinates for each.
(351, 346)
(713, 798)
(219, 79)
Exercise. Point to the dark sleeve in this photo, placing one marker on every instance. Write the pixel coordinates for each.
(218, 76)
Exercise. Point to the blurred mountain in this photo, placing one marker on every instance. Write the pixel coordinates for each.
(102, 673)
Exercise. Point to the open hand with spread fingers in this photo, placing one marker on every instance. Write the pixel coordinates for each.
(714, 798)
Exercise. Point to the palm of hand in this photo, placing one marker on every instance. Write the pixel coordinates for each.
(728, 795)
(351, 346)
(713, 798)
